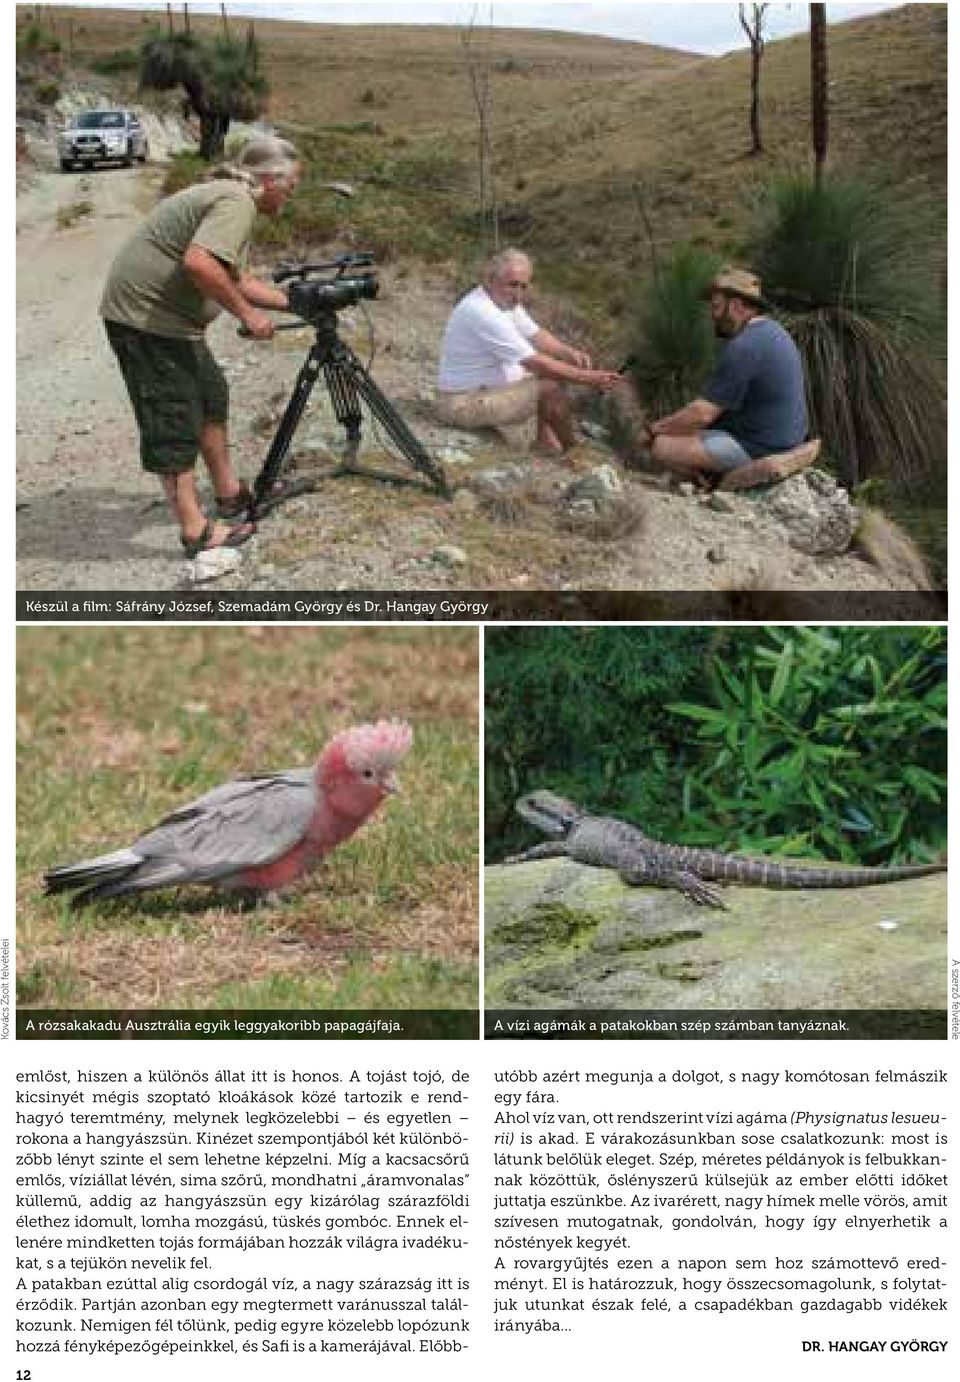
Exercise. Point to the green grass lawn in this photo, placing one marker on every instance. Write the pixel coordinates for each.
(118, 726)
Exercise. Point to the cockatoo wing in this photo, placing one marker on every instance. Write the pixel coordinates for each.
(243, 824)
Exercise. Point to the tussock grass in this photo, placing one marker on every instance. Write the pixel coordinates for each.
(118, 726)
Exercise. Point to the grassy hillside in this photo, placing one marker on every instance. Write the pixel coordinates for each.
(598, 142)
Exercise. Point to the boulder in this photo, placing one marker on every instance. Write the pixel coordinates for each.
(816, 512)
(562, 935)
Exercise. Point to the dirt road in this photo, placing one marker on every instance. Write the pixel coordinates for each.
(87, 516)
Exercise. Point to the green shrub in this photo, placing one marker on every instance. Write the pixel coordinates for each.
(671, 340)
(46, 93)
(36, 41)
(123, 60)
(581, 711)
(830, 741)
(850, 264)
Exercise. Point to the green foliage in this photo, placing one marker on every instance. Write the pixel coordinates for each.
(671, 340)
(222, 78)
(581, 711)
(828, 742)
(823, 741)
(37, 41)
(850, 263)
(183, 170)
(46, 93)
(122, 60)
(431, 166)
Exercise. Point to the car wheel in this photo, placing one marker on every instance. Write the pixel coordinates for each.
(146, 153)
(66, 165)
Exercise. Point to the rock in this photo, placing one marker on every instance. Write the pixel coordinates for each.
(583, 508)
(465, 501)
(598, 486)
(448, 555)
(594, 431)
(717, 555)
(816, 512)
(687, 489)
(718, 504)
(497, 479)
(453, 455)
(210, 566)
(561, 935)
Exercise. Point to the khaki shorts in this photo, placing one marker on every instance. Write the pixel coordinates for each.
(501, 407)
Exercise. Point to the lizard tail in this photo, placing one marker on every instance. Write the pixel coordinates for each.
(772, 873)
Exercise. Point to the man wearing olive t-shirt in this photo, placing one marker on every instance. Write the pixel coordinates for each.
(180, 269)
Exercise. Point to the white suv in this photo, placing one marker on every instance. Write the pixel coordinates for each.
(99, 136)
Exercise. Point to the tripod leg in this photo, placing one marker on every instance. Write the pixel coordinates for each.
(346, 408)
(383, 410)
(280, 446)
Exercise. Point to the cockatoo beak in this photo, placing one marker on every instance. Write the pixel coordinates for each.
(390, 784)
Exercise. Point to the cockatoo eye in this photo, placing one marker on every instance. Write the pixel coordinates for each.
(368, 774)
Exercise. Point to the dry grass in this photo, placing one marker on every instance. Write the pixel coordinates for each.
(117, 726)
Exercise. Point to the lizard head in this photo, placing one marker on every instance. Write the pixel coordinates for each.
(549, 813)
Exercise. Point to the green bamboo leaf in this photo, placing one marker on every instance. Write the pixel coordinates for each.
(781, 676)
(699, 712)
(926, 785)
(855, 820)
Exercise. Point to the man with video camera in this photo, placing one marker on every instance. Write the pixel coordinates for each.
(180, 269)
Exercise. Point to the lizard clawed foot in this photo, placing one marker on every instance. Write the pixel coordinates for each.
(700, 892)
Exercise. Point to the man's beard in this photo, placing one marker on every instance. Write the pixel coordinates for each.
(725, 327)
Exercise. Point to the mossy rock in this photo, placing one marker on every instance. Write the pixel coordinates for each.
(562, 935)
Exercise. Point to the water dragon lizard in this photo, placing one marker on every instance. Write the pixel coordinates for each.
(608, 843)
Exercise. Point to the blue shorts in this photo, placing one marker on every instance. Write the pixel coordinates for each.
(724, 450)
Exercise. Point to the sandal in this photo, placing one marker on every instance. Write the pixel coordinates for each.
(236, 505)
(278, 494)
(235, 536)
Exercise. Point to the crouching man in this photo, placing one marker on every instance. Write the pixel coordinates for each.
(499, 368)
(178, 271)
(754, 403)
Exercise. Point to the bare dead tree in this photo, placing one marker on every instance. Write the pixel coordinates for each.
(479, 66)
(186, 18)
(170, 20)
(223, 16)
(819, 97)
(753, 28)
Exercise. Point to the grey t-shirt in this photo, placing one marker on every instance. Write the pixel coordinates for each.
(148, 287)
(758, 382)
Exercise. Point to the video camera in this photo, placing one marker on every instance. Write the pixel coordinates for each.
(312, 299)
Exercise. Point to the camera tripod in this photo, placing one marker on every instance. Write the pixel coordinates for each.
(348, 382)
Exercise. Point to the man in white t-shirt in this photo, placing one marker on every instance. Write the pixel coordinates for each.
(499, 368)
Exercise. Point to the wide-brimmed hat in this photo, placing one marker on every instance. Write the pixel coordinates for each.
(737, 283)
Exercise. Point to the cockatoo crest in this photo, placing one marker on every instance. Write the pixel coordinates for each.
(368, 748)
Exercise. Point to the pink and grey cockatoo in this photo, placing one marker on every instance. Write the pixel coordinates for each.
(257, 833)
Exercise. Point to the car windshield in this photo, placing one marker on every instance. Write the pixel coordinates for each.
(101, 120)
